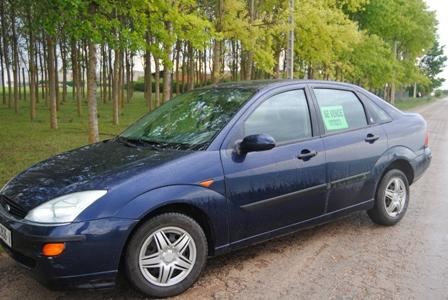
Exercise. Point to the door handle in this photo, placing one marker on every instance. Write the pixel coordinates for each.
(306, 154)
(371, 138)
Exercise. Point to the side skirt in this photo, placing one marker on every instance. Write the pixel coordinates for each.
(293, 227)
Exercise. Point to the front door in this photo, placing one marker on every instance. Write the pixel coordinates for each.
(276, 188)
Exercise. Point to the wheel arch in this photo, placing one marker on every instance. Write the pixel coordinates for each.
(184, 208)
(402, 165)
(206, 206)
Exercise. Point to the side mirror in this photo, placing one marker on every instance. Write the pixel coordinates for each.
(256, 142)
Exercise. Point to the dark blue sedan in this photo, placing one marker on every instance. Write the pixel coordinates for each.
(210, 171)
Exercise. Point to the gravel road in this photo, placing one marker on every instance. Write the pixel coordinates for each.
(349, 258)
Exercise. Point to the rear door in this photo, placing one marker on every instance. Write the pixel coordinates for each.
(353, 145)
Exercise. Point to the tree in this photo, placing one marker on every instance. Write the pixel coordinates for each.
(379, 44)
(432, 64)
(407, 26)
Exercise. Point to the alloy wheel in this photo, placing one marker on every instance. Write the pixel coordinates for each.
(395, 196)
(167, 256)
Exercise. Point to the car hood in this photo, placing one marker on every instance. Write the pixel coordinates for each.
(96, 166)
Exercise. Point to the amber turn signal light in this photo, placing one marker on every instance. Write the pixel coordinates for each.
(206, 183)
(53, 249)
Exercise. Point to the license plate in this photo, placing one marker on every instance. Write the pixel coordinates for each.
(5, 235)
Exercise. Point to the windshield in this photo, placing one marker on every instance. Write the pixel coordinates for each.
(190, 120)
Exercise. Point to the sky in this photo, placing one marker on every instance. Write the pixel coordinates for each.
(441, 9)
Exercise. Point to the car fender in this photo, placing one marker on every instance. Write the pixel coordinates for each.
(388, 157)
(211, 203)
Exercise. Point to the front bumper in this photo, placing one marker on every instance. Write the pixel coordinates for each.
(91, 257)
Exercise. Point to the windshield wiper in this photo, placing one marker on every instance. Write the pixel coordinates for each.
(127, 142)
(152, 143)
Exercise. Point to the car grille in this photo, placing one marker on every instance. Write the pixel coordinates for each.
(12, 208)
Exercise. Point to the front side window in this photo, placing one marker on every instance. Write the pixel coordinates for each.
(190, 120)
(340, 110)
(285, 117)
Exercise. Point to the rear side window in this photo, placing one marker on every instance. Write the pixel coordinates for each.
(376, 114)
(340, 110)
(285, 117)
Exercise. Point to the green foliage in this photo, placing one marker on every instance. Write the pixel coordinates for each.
(324, 34)
(373, 62)
(432, 65)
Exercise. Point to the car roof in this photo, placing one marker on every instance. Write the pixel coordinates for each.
(271, 83)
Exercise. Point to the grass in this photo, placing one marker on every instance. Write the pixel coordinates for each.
(23, 143)
(408, 103)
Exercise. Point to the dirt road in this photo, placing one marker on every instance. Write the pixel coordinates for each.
(349, 258)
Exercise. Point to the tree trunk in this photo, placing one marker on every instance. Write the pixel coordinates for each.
(75, 77)
(83, 63)
(19, 80)
(63, 51)
(131, 75)
(32, 73)
(167, 67)
(15, 60)
(110, 75)
(56, 75)
(148, 75)
(42, 69)
(205, 66)
(392, 85)
(115, 91)
(24, 85)
(91, 94)
(217, 44)
(178, 46)
(216, 75)
(4, 25)
(128, 77)
(157, 80)
(277, 63)
(121, 83)
(190, 68)
(46, 79)
(2, 74)
(52, 83)
(36, 74)
(184, 67)
(105, 70)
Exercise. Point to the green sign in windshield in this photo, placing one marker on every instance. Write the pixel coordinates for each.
(334, 117)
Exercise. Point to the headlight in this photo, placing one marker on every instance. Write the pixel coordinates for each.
(63, 209)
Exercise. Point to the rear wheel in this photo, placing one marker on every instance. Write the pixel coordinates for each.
(166, 255)
(392, 199)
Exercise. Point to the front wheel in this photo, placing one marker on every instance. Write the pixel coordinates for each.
(392, 199)
(166, 255)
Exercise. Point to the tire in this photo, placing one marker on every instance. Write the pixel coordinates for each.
(395, 184)
(164, 273)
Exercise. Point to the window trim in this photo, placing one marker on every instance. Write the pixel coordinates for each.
(231, 138)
